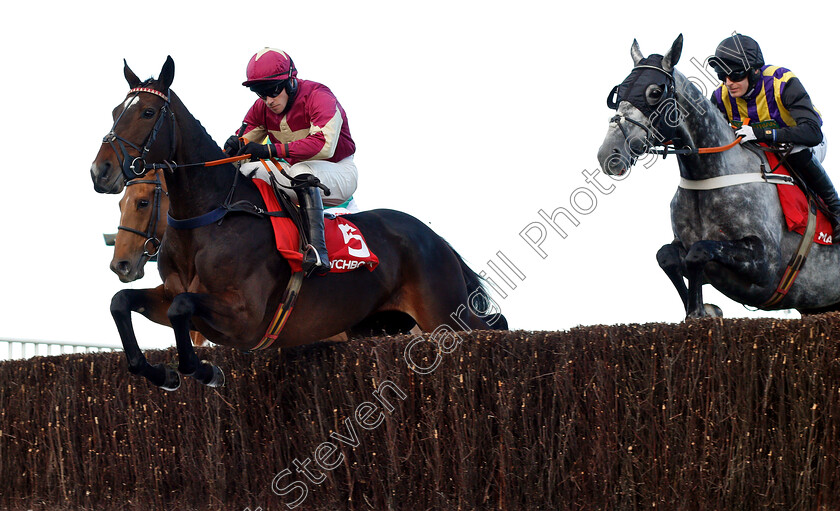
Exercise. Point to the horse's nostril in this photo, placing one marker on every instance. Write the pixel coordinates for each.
(123, 267)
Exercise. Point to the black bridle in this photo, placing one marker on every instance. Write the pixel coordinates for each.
(151, 230)
(659, 135)
(135, 166)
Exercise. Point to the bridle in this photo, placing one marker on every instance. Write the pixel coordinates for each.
(665, 132)
(619, 118)
(135, 166)
(151, 230)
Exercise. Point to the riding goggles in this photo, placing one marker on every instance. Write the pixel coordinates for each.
(735, 76)
(268, 90)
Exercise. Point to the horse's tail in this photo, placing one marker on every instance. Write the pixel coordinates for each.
(480, 302)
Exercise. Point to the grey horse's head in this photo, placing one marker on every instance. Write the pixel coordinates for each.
(645, 106)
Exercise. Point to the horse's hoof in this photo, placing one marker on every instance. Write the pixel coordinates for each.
(172, 380)
(218, 379)
(712, 310)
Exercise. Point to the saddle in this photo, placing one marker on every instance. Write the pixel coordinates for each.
(795, 205)
(346, 246)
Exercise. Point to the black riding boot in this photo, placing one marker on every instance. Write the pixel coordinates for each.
(315, 258)
(812, 172)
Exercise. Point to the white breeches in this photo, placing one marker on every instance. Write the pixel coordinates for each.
(818, 150)
(341, 177)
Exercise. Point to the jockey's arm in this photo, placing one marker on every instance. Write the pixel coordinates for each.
(807, 131)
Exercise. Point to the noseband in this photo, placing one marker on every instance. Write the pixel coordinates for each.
(151, 238)
(135, 166)
(648, 145)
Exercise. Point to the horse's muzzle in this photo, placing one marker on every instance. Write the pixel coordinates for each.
(126, 271)
(106, 178)
(612, 161)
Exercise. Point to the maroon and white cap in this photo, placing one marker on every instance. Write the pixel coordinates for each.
(268, 65)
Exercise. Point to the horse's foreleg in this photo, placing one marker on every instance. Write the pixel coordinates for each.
(671, 259)
(152, 304)
(184, 307)
(744, 257)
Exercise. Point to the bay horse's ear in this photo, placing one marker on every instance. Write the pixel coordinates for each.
(130, 77)
(636, 53)
(167, 74)
(673, 56)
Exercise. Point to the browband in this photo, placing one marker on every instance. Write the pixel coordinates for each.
(151, 91)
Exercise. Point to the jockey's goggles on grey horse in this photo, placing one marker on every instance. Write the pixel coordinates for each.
(647, 74)
(725, 69)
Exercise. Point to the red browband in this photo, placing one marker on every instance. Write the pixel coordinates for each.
(152, 91)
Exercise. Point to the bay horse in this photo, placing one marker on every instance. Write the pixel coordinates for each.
(142, 224)
(733, 237)
(139, 235)
(226, 278)
(143, 209)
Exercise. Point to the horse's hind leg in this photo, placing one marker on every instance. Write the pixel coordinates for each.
(180, 313)
(445, 302)
(152, 304)
(671, 259)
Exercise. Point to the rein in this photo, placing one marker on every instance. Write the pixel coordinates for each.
(151, 230)
(227, 206)
(133, 167)
(665, 148)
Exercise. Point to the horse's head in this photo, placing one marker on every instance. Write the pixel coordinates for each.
(647, 114)
(143, 129)
(142, 225)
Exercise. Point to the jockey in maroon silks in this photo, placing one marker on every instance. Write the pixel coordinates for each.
(307, 127)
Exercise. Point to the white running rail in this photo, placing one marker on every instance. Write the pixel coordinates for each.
(11, 349)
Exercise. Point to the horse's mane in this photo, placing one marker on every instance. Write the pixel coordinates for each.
(172, 96)
(203, 130)
(700, 108)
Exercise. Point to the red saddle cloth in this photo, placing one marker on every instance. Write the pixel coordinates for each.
(795, 207)
(345, 244)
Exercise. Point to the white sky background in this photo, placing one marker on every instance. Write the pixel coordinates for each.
(471, 116)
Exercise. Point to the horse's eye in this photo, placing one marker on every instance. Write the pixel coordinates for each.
(653, 94)
(142, 203)
(148, 113)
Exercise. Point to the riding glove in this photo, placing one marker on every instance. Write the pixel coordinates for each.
(747, 132)
(232, 145)
(257, 151)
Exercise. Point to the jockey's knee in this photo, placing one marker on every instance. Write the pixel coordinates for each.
(341, 178)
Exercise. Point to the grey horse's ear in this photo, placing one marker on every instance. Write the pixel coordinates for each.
(673, 56)
(636, 53)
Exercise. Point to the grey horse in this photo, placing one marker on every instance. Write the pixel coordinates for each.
(733, 236)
